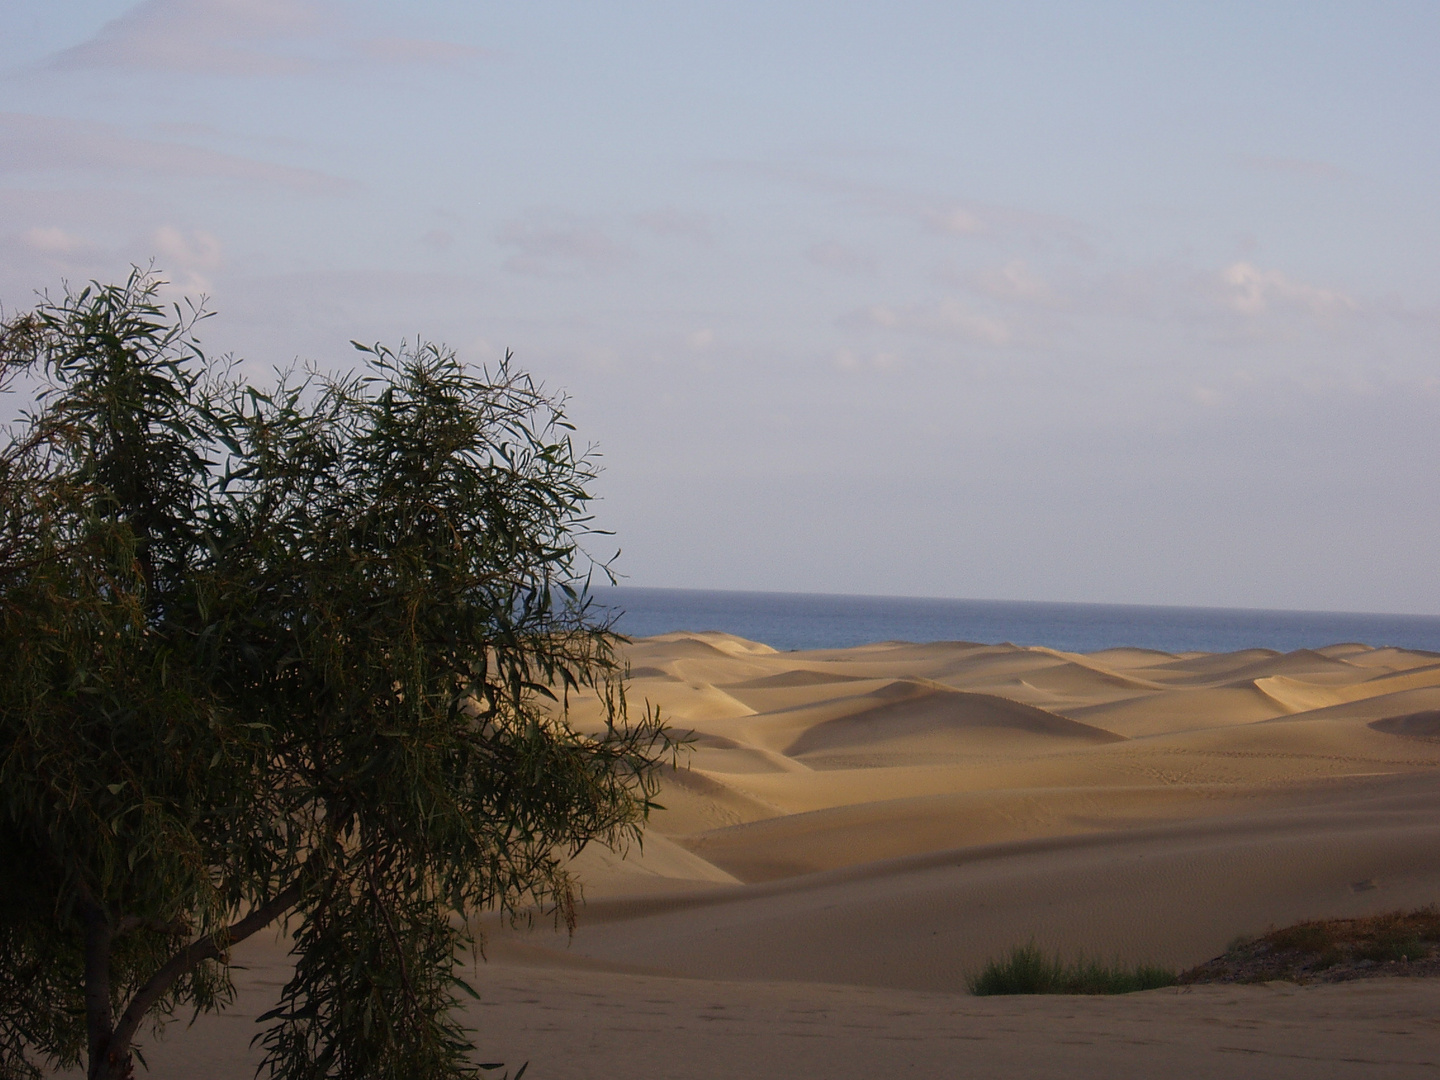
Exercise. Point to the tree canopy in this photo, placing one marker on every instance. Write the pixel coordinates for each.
(296, 653)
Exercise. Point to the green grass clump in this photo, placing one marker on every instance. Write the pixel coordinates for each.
(1029, 970)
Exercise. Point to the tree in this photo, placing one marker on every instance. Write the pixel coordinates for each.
(301, 654)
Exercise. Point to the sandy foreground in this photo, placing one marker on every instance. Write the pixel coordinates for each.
(857, 830)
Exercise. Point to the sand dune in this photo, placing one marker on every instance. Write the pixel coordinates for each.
(957, 799)
(1185, 709)
(1176, 893)
(852, 831)
(573, 1019)
(922, 723)
(1423, 725)
(811, 761)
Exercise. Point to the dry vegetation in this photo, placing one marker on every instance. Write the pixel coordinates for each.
(1332, 950)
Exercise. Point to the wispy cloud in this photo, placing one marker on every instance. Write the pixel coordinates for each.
(935, 213)
(404, 50)
(40, 144)
(948, 318)
(1252, 291)
(675, 223)
(246, 37)
(1016, 281)
(955, 220)
(187, 257)
(226, 37)
(838, 256)
(52, 240)
(548, 242)
(1287, 166)
(849, 360)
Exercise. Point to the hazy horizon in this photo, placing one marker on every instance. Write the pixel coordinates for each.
(1105, 303)
(943, 597)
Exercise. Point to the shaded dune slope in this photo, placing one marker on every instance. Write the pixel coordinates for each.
(936, 717)
(1173, 893)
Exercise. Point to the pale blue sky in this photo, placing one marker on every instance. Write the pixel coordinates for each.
(1115, 301)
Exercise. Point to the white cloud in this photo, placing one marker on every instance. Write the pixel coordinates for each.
(192, 251)
(245, 37)
(955, 219)
(1015, 281)
(50, 240)
(185, 257)
(849, 360)
(948, 318)
(701, 339)
(1252, 291)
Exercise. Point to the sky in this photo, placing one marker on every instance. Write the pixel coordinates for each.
(1112, 302)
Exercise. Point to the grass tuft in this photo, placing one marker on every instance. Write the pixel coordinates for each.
(1029, 970)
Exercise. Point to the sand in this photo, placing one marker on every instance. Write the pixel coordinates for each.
(854, 831)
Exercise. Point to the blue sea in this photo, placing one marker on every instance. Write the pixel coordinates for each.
(816, 621)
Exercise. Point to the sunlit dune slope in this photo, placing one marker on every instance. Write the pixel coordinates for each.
(1129, 799)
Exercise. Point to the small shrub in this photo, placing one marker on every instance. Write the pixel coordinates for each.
(1029, 970)
(1306, 937)
(1329, 950)
(1390, 947)
(1327, 959)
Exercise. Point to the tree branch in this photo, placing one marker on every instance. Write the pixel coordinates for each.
(207, 948)
(173, 928)
(394, 937)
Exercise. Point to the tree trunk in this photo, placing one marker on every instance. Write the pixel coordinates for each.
(113, 1066)
(105, 1062)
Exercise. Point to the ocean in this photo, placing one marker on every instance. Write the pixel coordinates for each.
(817, 621)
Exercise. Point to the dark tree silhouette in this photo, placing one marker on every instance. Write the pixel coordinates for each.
(299, 654)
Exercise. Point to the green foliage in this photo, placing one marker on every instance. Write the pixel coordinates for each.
(288, 654)
(1029, 970)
